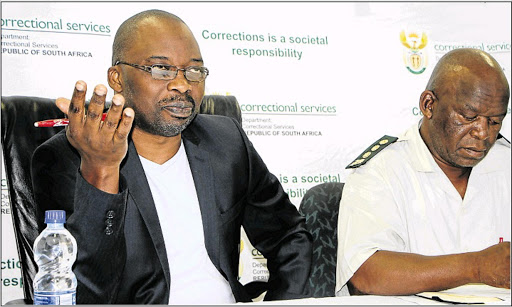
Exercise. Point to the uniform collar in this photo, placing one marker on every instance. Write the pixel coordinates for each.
(422, 160)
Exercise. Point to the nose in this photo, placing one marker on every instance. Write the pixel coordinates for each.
(480, 129)
(180, 83)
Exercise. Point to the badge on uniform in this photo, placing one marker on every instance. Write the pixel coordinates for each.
(372, 150)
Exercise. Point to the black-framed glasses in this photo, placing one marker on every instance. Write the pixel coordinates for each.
(169, 72)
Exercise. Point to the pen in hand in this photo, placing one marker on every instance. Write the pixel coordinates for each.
(59, 122)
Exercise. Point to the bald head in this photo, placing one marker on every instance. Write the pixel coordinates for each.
(128, 29)
(460, 66)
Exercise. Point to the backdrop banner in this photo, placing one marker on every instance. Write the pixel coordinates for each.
(317, 82)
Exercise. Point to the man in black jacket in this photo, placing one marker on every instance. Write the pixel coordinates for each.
(156, 194)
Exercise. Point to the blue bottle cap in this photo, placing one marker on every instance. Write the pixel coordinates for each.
(55, 216)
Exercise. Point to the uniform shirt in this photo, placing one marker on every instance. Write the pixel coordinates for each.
(194, 278)
(401, 201)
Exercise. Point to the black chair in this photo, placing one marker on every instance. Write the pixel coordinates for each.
(19, 140)
(221, 105)
(320, 206)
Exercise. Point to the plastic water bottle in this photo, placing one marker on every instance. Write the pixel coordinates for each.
(55, 253)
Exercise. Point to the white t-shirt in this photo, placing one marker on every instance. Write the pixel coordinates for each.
(194, 278)
(402, 201)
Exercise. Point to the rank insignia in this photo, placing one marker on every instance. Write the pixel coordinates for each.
(372, 150)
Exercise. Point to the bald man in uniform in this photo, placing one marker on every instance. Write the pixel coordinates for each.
(431, 210)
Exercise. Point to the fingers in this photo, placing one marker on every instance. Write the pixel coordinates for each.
(96, 107)
(76, 108)
(88, 125)
(76, 111)
(125, 125)
(114, 113)
(63, 104)
(118, 121)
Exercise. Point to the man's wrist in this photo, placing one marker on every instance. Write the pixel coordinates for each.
(472, 265)
(103, 178)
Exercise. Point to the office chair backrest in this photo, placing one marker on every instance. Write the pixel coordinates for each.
(221, 105)
(320, 206)
(19, 140)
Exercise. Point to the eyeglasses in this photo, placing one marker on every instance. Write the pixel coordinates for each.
(169, 72)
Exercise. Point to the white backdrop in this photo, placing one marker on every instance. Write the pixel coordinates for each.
(317, 82)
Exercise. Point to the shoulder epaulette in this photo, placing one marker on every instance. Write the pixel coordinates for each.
(372, 150)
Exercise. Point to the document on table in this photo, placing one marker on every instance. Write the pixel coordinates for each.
(471, 294)
(355, 300)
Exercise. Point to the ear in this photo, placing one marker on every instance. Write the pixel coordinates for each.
(427, 103)
(114, 79)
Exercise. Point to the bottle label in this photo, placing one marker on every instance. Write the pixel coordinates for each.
(55, 298)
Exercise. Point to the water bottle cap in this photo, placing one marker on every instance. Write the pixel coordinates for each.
(55, 216)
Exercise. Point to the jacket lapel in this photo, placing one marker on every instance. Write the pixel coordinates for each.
(199, 160)
(140, 193)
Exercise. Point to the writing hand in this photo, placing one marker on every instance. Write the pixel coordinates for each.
(494, 265)
(102, 145)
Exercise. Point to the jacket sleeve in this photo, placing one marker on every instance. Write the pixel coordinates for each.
(277, 230)
(94, 218)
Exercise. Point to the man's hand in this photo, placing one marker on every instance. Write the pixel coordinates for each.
(494, 265)
(396, 273)
(102, 144)
(63, 104)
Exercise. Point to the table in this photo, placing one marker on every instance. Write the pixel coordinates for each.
(356, 300)
(463, 294)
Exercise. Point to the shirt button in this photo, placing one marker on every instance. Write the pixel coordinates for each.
(110, 214)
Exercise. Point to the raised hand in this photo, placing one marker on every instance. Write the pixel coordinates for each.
(102, 144)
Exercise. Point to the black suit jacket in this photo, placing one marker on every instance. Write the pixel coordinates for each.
(121, 251)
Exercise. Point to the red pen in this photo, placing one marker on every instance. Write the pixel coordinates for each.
(58, 122)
